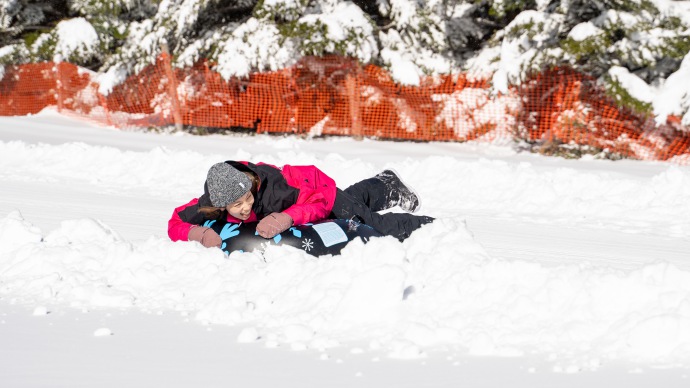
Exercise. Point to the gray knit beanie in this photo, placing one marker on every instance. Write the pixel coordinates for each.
(226, 184)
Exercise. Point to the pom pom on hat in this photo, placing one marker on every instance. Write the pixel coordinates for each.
(226, 184)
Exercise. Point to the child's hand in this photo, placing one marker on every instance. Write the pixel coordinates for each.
(206, 236)
(273, 224)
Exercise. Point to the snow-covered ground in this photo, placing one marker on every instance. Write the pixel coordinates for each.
(538, 272)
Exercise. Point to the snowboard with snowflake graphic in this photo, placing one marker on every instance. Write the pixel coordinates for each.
(319, 238)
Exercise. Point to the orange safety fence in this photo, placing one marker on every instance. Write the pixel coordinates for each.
(339, 96)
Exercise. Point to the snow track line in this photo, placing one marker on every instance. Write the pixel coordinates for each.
(518, 240)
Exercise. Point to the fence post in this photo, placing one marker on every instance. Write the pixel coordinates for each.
(172, 87)
(104, 104)
(58, 86)
(353, 99)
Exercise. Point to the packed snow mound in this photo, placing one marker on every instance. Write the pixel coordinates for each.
(436, 291)
(654, 205)
(14, 230)
(439, 291)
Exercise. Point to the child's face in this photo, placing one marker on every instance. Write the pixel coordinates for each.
(242, 208)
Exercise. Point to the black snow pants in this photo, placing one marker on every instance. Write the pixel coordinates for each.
(364, 199)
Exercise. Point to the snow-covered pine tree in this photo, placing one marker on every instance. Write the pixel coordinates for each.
(22, 22)
(592, 36)
(84, 32)
(621, 42)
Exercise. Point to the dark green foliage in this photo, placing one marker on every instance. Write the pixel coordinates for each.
(435, 36)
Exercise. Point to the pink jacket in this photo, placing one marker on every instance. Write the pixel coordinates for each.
(314, 192)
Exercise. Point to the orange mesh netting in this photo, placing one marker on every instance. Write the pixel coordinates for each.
(339, 96)
(562, 105)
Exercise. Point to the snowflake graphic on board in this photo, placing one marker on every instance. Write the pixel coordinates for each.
(307, 244)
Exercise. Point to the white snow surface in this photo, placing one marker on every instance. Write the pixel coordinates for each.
(635, 85)
(537, 271)
(674, 96)
(75, 37)
(583, 31)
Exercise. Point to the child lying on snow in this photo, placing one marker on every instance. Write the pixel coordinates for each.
(279, 198)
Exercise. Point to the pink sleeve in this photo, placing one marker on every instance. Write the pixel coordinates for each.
(316, 196)
(178, 230)
(305, 213)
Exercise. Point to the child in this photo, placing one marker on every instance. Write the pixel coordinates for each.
(292, 195)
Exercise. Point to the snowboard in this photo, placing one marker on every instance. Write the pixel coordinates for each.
(319, 238)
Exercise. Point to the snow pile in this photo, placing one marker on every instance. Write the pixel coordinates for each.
(438, 291)
(407, 298)
(564, 196)
(654, 205)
